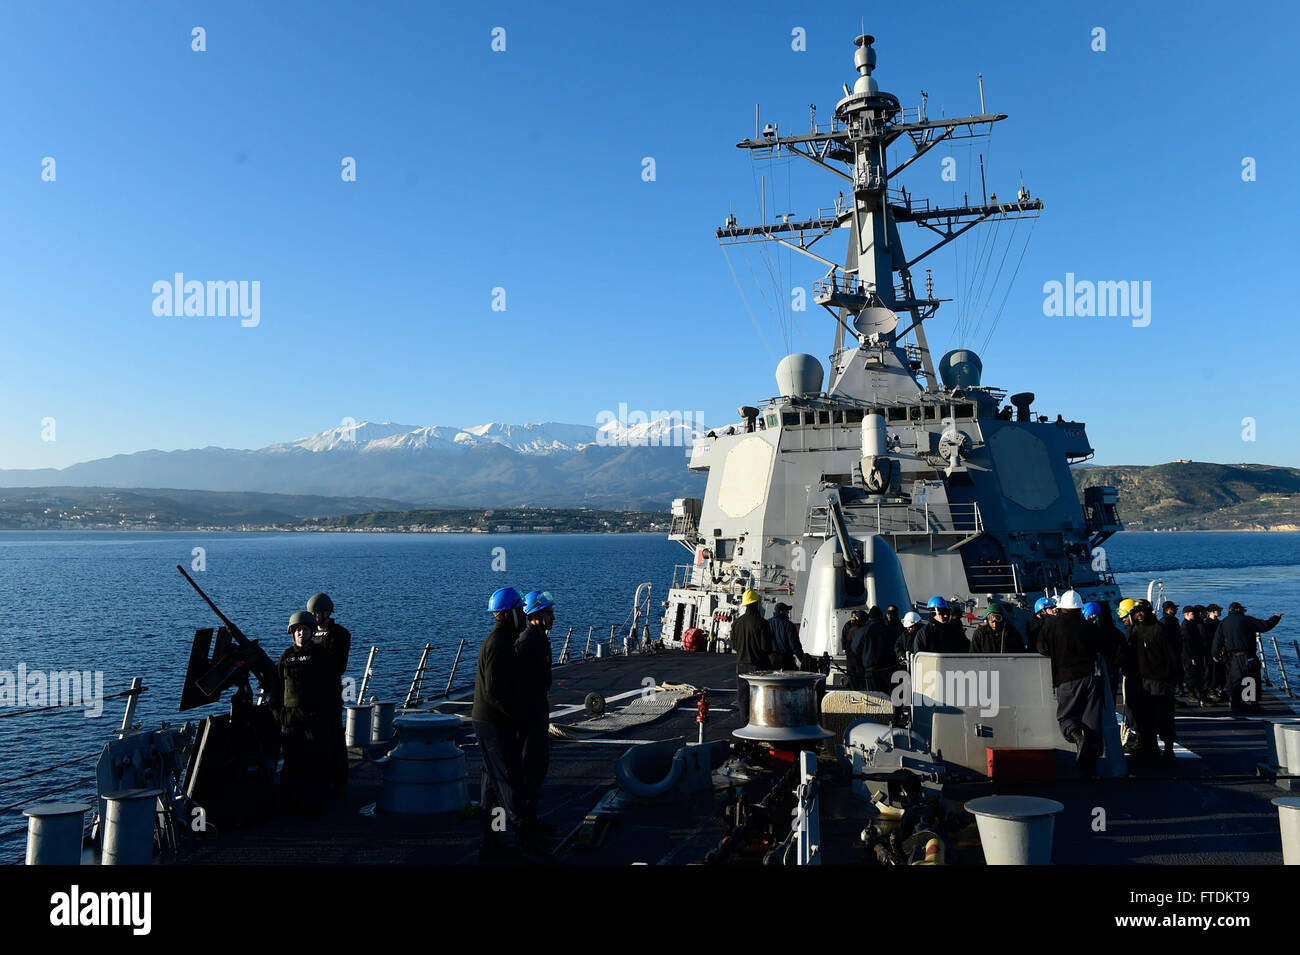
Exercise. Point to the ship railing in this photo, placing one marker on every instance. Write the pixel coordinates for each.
(82, 784)
(575, 647)
(847, 285)
(957, 520)
(684, 576)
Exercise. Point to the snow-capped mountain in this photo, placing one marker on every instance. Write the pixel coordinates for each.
(637, 464)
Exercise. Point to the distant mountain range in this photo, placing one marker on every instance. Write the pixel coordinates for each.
(628, 467)
(380, 466)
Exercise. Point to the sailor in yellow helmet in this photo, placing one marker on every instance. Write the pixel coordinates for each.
(751, 639)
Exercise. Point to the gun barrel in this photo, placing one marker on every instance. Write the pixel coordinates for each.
(233, 630)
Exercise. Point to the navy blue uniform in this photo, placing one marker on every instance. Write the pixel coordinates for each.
(751, 638)
(876, 649)
(1235, 641)
(533, 649)
(1074, 645)
(336, 640)
(496, 716)
(787, 651)
(942, 638)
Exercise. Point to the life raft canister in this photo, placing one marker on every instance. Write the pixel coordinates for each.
(694, 640)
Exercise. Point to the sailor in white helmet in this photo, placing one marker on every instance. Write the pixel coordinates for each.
(913, 624)
(1074, 645)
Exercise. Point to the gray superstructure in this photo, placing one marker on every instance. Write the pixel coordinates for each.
(897, 478)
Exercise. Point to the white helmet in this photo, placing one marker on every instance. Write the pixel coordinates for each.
(911, 619)
(1070, 601)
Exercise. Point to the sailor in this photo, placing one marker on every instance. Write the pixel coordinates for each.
(942, 634)
(1111, 641)
(913, 624)
(851, 642)
(1130, 678)
(1216, 673)
(309, 681)
(533, 649)
(497, 717)
(336, 640)
(787, 651)
(892, 622)
(1174, 633)
(876, 651)
(1236, 643)
(751, 638)
(1193, 653)
(1159, 667)
(1073, 645)
(1044, 608)
(996, 635)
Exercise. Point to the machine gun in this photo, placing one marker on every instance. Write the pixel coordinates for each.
(232, 765)
(231, 662)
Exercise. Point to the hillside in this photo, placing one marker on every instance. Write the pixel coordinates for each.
(1200, 496)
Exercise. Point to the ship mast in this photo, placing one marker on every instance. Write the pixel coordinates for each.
(854, 146)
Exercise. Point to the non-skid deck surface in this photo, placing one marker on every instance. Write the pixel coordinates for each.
(581, 772)
(1186, 813)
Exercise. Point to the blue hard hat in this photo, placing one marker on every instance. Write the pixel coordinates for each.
(937, 602)
(1091, 609)
(1042, 603)
(506, 598)
(537, 600)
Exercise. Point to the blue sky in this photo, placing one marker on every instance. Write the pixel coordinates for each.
(522, 170)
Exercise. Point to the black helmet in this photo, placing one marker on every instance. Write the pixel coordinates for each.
(320, 603)
(301, 617)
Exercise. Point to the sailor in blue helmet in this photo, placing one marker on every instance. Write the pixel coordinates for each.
(1074, 645)
(1044, 609)
(943, 634)
(497, 715)
(533, 649)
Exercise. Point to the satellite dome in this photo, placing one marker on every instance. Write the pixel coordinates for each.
(960, 368)
(799, 375)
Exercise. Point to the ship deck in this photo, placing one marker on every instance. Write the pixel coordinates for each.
(1210, 807)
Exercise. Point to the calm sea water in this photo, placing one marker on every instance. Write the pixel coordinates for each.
(114, 603)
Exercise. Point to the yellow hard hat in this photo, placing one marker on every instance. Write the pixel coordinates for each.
(1126, 607)
(751, 597)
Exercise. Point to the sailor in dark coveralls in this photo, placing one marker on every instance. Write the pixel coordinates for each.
(336, 640)
(851, 643)
(1235, 642)
(1074, 644)
(787, 651)
(1216, 675)
(1159, 666)
(751, 638)
(309, 680)
(876, 648)
(497, 711)
(533, 648)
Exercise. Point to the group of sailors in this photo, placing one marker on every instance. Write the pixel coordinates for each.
(1151, 660)
(511, 718)
(309, 706)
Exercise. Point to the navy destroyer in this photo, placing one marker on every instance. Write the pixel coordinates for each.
(893, 478)
(900, 479)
